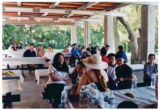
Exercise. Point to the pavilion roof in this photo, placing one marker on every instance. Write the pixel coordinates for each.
(54, 12)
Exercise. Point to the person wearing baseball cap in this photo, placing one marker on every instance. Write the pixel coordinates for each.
(123, 72)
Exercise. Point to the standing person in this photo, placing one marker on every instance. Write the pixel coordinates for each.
(58, 74)
(74, 55)
(103, 54)
(111, 71)
(95, 73)
(150, 68)
(30, 53)
(120, 51)
(107, 47)
(49, 55)
(123, 72)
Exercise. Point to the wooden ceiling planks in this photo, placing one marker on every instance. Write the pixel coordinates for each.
(99, 6)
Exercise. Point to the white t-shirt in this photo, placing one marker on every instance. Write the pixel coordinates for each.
(49, 55)
(56, 73)
(111, 72)
(70, 48)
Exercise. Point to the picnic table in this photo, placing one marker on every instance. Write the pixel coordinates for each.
(143, 96)
(10, 84)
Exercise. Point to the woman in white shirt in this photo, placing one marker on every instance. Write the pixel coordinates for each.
(58, 74)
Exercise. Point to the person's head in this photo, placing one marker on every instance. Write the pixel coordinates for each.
(79, 46)
(90, 46)
(15, 45)
(103, 51)
(107, 47)
(50, 48)
(111, 59)
(81, 68)
(39, 46)
(67, 60)
(68, 44)
(96, 48)
(19, 44)
(66, 47)
(85, 54)
(151, 58)
(31, 47)
(127, 104)
(59, 62)
(120, 59)
(74, 45)
(28, 44)
(120, 47)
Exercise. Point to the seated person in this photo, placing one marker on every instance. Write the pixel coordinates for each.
(19, 46)
(30, 53)
(95, 73)
(49, 55)
(66, 50)
(74, 55)
(28, 46)
(40, 51)
(103, 54)
(111, 71)
(123, 72)
(14, 48)
(58, 74)
(79, 69)
(150, 68)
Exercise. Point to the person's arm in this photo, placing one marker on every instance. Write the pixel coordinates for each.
(45, 56)
(146, 72)
(82, 82)
(54, 78)
(66, 77)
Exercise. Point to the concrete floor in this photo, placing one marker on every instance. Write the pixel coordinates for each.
(30, 96)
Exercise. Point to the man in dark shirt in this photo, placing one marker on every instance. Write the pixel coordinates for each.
(30, 53)
(123, 72)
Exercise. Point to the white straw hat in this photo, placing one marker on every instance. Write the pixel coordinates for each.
(95, 62)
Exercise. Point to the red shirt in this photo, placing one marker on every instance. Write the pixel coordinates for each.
(104, 58)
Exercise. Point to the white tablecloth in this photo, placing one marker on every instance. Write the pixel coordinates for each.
(23, 60)
(137, 66)
(13, 84)
(143, 96)
(44, 72)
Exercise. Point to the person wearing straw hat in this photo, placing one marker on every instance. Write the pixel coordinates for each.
(95, 73)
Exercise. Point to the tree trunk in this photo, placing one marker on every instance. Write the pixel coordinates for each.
(132, 38)
(116, 35)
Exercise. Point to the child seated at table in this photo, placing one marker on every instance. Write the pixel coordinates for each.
(123, 72)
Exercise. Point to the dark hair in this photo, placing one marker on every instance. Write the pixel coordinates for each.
(111, 54)
(32, 44)
(74, 44)
(120, 47)
(56, 64)
(107, 45)
(50, 46)
(39, 44)
(127, 104)
(68, 43)
(103, 51)
(151, 55)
